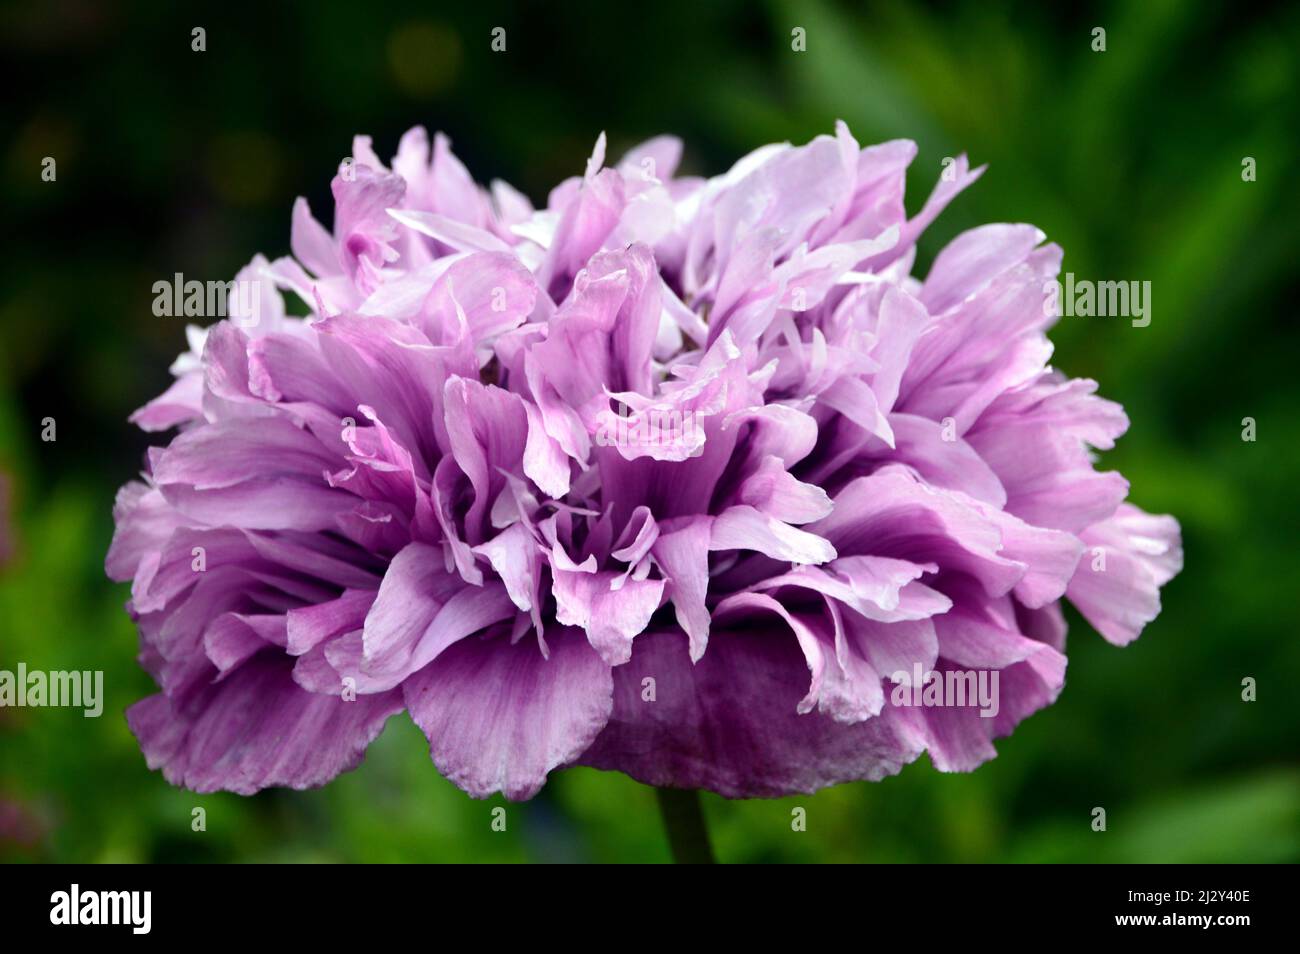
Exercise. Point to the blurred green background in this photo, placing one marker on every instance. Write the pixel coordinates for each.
(171, 160)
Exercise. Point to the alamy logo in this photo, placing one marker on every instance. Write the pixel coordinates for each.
(102, 907)
(653, 428)
(79, 689)
(1085, 299)
(240, 301)
(950, 688)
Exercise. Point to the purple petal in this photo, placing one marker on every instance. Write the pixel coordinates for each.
(1127, 558)
(730, 723)
(257, 729)
(499, 717)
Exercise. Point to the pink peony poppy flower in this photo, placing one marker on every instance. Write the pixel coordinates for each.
(689, 479)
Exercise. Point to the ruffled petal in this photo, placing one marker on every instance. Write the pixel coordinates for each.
(257, 729)
(499, 717)
(1127, 559)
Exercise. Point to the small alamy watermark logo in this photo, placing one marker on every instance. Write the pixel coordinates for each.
(933, 689)
(653, 428)
(74, 906)
(1084, 298)
(239, 300)
(82, 689)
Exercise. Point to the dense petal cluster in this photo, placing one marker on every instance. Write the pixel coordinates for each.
(673, 477)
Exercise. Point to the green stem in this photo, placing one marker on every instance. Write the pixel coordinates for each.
(684, 821)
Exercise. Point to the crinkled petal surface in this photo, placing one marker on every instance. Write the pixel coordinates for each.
(690, 479)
